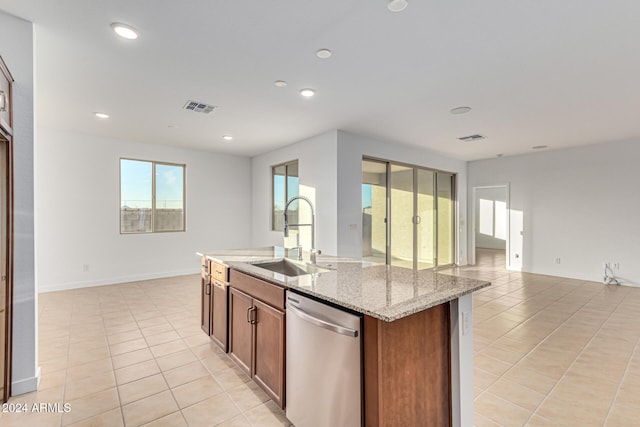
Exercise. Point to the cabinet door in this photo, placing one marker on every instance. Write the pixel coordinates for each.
(219, 322)
(5, 98)
(205, 305)
(241, 329)
(269, 351)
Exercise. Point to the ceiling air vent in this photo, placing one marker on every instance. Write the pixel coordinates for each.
(198, 107)
(472, 138)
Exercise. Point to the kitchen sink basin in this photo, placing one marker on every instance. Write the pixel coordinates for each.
(290, 267)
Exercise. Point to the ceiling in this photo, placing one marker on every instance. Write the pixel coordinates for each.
(535, 72)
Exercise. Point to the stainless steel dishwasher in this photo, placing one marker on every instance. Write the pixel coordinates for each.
(324, 364)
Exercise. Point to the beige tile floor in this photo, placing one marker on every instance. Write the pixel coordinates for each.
(133, 354)
(553, 352)
(548, 352)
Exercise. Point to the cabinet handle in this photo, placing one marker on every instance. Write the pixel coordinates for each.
(250, 317)
(218, 272)
(206, 267)
(208, 289)
(218, 284)
(254, 310)
(3, 101)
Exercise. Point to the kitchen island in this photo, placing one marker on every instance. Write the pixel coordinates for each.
(417, 331)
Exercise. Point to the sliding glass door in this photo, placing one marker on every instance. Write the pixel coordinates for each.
(426, 253)
(408, 215)
(402, 236)
(445, 186)
(374, 211)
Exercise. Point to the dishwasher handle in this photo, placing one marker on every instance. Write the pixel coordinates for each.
(323, 323)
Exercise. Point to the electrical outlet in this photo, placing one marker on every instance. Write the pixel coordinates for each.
(466, 323)
(85, 268)
(557, 260)
(616, 265)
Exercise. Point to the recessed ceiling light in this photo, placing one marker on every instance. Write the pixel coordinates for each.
(101, 115)
(460, 110)
(227, 137)
(280, 83)
(539, 147)
(324, 53)
(307, 93)
(397, 5)
(125, 31)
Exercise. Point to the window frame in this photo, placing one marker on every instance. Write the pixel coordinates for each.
(286, 188)
(154, 163)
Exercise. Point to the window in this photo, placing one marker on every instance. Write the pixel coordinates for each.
(151, 197)
(285, 186)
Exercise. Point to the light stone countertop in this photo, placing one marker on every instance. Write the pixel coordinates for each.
(377, 290)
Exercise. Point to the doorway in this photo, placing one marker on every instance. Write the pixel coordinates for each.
(490, 225)
(407, 215)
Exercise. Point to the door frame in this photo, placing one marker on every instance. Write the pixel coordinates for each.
(6, 144)
(474, 213)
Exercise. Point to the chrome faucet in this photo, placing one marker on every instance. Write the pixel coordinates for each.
(313, 251)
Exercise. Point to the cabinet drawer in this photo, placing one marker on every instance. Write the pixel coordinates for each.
(259, 289)
(219, 272)
(5, 98)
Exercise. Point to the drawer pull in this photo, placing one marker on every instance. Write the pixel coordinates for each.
(250, 317)
(208, 289)
(3, 101)
(218, 284)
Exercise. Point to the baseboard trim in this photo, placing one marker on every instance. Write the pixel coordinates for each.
(114, 280)
(27, 385)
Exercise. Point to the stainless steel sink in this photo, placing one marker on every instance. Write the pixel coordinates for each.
(290, 267)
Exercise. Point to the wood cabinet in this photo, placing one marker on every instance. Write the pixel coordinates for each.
(408, 359)
(257, 331)
(214, 301)
(205, 297)
(268, 369)
(6, 112)
(241, 329)
(219, 311)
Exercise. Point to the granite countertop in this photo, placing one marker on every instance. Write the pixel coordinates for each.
(377, 290)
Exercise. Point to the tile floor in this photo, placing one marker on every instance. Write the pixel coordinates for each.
(553, 352)
(548, 352)
(133, 354)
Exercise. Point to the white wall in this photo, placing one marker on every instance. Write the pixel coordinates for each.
(318, 180)
(351, 149)
(77, 188)
(580, 205)
(16, 47)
